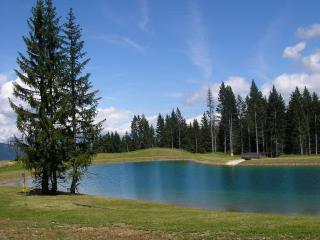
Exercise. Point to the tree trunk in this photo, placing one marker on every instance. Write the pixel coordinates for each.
(74, 182)
(225, 143)
(256, 127)
(230, 135)
(196, 144)
(301, 144)
(309, 142)
(45, 182)
(263, 143)
(54, 183)
(249, 139)
(211, 132)
(315, 134)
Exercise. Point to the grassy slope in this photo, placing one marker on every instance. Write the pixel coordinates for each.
(162, 154)
(62, 216)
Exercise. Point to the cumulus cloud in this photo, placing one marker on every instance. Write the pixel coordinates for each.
(115, 119)
(294, 51)
(286, 83)
(7, 116)
(309, 32)
(239, 86)
(198, 47)
(312, 61)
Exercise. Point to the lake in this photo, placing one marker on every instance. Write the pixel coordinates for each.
(285, 190)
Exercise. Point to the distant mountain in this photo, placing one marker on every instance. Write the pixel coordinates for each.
(6, 153)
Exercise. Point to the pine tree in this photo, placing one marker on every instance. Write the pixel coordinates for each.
(212, 120)
(41, 74)
(275, 122)
(315, 119)
(160, 132)
(297, 124)
(256, 111)
(307, 106)
(80, 103)
(241, 112)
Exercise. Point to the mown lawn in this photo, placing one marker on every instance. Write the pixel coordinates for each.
(162, 154)
(89, 217)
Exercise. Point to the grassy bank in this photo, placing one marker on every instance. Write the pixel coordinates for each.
(286, 160)
(162, 154)
(88, 217)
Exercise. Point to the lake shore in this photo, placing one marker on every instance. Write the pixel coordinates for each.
(10, 171)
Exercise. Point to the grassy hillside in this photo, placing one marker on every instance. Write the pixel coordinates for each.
(88, 217)
(162, 154)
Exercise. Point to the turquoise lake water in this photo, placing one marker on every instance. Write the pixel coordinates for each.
(284, 190)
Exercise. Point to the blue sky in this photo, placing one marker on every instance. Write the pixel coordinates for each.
(151, 56)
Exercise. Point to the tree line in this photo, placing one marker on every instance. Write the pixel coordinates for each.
(265, 125)
(54, 101)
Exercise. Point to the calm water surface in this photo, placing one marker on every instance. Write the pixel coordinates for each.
(289, 190)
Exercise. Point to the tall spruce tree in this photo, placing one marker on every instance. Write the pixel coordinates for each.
(160, 132)
(80, 103)
(307, 106)
(256, 111)
(315, 120)
(275, 122)
(212, 120)
(41, 74)
(297, 124)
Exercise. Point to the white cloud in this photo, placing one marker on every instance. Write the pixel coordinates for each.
(191, 119)
(115, 119)
(309, 32)
(143, 23)
(122, 41)
(7, 116)
(239, 86)
(294, 51)
(198, 49)
(286, 83)
(312, 61)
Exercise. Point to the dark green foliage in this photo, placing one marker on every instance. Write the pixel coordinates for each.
(57, 107)
(41, 73)
(297, 124)
(275, 123)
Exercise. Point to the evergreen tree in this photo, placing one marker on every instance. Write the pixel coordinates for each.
(160, 132)
(256, 111)
(297, 123)
(212, 120)
(315, 119)
(80, 103)
(41, 74)
(276, 124)
(241, 112)
(307, 106)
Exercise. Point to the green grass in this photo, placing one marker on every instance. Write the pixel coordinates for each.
(285, 160)
(61, 215)
(90, 217)
(162, 154)
(11, 172)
